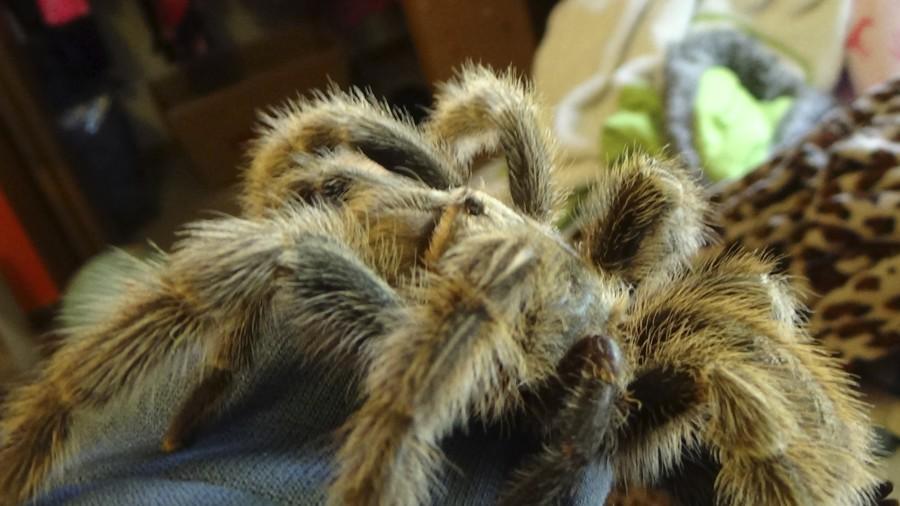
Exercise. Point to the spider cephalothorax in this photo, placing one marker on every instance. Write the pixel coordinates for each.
(360, 238)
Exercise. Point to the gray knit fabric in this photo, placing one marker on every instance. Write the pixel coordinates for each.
(760, 72)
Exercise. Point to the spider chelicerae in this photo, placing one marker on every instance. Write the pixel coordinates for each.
(621, 342)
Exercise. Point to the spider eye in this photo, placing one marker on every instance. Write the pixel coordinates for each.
(473, 206)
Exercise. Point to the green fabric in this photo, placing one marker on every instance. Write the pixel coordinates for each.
(636, 126)
(732, 129)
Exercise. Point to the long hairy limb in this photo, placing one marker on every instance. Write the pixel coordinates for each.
(644, 219)
(212, 287)
(336, 179)
(354, 120)
(452, 356)
(153, 321)
(480, 111)
(722, 365)
(329, 293)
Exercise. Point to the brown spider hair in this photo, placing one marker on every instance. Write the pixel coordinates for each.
(625, 347)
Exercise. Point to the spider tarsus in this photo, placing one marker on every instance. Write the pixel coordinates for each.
(197, 409)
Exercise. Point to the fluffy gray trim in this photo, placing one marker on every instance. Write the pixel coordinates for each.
(759, 70)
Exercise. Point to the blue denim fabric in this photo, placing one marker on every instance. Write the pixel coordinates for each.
(272, 444)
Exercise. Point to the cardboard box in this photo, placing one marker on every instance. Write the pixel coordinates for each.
(211, 108)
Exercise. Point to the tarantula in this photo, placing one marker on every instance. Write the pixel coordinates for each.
(619, 344)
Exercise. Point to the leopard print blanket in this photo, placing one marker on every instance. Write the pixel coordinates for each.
(828, 207)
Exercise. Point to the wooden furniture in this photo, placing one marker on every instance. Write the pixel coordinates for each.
(214, 125)
(446, 33)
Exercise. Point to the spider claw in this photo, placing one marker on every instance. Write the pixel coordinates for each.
(606, 357)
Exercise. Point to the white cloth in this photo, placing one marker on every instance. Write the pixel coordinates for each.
(593, 47)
